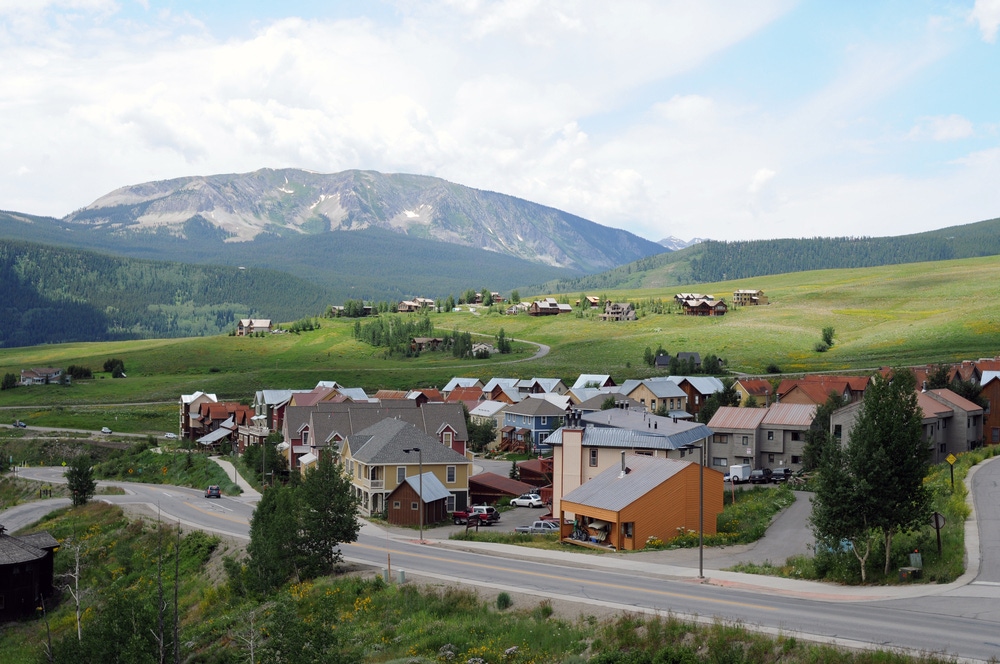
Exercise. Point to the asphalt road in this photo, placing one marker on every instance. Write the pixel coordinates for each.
(961, 619)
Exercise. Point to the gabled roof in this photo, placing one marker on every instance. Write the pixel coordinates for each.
(733, 417)
(465, 394)
(502, 382)
(662, 388)
(188, 398)
(789, 415)
(487, 408)
(614, 491)
(640, 420)
(385, 441)
(989, 376)
(756, 387)
(704, 385)
(461, 382)
(932, 408)
(601, 380)
(432, 488)
(536, 408)
(16, 550)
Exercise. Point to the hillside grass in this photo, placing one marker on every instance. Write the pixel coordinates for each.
(887, 316)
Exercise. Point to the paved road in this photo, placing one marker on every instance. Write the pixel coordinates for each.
(962, 618)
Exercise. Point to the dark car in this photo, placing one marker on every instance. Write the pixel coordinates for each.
(19, 424)
(760, 476)
(780, 475)
(213, 491)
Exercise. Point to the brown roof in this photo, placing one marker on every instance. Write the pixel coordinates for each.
(733, 417)
(390, 394)
(465, 394)
(789, 414)
(957, 400)
(757, 387)
(932, 408)
(499, 483)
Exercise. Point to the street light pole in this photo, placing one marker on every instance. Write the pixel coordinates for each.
(420, 483)
(701, 511)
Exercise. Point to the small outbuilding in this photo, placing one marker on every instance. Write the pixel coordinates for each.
(646, 497)
(403, 505)
(25, 573)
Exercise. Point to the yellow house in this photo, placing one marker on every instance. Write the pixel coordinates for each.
(381, 457)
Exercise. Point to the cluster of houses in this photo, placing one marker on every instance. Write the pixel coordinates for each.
(602, 455)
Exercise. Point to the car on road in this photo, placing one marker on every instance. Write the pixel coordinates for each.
(170, 435)
(105, 430)
(19, 424)
(213, 491)
(528, 500)
(760, 476)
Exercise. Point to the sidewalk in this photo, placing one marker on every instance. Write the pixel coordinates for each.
(250, 494)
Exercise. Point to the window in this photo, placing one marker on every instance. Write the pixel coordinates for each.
(942, 448)
(593, 458)
(450, 475)
(652, 404)
(545, 421)
(795, 435)
(305, 437)
(400, 474)
(837, 431)
(770, 458)
(644, 453)
(628, 528)
(414, 506)
(745, 460)
(720, 461)
(446, 438)
(682, 452)
(746, 440)
(770, 435)
(451, 502)
(395, 504)
(721, 438)
(944, 424)
(796, 459)
(995, 435)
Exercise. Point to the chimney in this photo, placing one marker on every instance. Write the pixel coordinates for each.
(624, 470)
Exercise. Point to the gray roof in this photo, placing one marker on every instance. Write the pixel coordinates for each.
(327, 418)
(384, 442)
(632, 439)
(488, 408)
(15, 550)
(704, 384)
(611, 490)
(639, 420)
(664, 389)
(536, 407)
(503, 382)
(433, 489)
(599, 379)
(460, 382)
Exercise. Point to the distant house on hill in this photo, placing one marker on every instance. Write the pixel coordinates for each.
(618, 311)
(248, 326)
(41, 376)
(705, 307)
(749, 297)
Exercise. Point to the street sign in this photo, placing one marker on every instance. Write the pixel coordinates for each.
(937, 520)
(951, 458)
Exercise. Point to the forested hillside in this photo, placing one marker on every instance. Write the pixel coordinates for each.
(371, 264)
(712, 261)
(52, 295)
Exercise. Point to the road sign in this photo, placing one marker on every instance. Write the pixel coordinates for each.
(951, 458)
(937, 520)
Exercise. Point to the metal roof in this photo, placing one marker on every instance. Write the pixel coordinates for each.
(733, 417)
(432, 487)
(614, 490)
(631, 439)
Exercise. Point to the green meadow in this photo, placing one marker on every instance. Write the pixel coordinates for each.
(886, 316)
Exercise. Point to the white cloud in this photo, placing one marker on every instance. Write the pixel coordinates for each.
(986, 13)
(942, 128)
(760, 178)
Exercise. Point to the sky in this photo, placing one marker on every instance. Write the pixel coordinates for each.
(727, 120)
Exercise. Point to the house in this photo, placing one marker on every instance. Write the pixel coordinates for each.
(705, 307)
(415, 305)
(681, 298)
(323, 427)
(698, 389)
(656, 393)
(815, 390)
(990, 384)
(248, 326)
(491, 488)
(538, 473)
(689, 360)
(382, 456)
(590, 302)
(645, 497)
(520, 307)
(526, 425)
(546, 307)
(541, 386)
(425, 343)
(618, 311)
(502, 389)
(749, 297)
(26, 573)
(950, 423)
(190, 405)
(470, 396)
(406, 501)
(42, 376)
(772, 437)
(759, 388)
(489, 411)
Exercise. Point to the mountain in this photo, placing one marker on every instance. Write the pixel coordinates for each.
(711, 261)
(676, 244)
(52, 295)
(289, 202)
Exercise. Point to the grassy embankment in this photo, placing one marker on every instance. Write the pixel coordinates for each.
(347, 618)
(897, 315)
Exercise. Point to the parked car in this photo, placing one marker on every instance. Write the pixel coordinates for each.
(485, 514)
(760, 476)
(528, 500)
(105, 430)
(213, 491)
(781, 475)
(170, 435)
(19, 424)
(539, 528)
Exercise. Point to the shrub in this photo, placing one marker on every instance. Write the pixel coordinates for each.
(504, 601)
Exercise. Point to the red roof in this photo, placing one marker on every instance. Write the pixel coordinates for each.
(465, 394)
(500, 483)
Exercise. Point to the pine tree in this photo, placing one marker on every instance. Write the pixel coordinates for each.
(80, 478)
(329, 513)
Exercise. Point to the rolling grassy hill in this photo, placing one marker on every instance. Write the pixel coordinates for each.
(897, 315)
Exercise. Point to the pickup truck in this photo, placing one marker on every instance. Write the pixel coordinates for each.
(539, 528)
(484, 514)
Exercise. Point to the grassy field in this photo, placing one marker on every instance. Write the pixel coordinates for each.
(906, 314)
